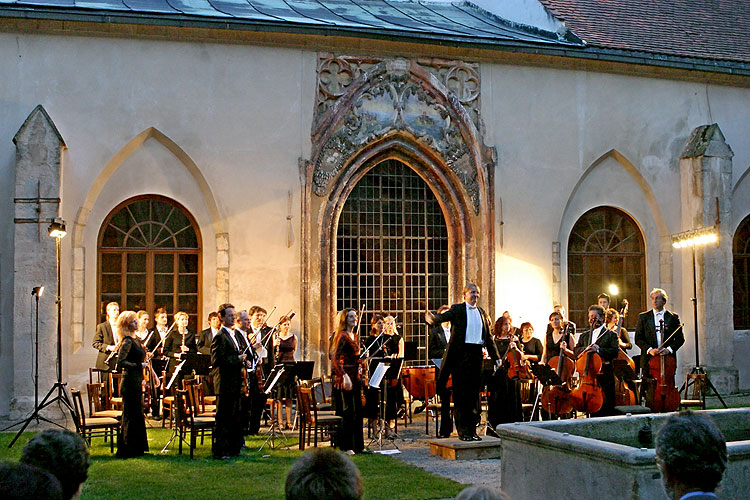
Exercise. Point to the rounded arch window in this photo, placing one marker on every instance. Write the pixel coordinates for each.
(741, 275)
(605, 248)
(149, 256)
(392, 250)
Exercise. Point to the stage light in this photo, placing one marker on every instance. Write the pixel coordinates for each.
(613, 290)
(57, 228)
(695, 237)
(37, 291)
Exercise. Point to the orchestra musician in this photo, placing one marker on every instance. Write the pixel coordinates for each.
(178, 341)
(440, 336)
(470, 330)
(227, 364)
(155, 343)
(559, 337)
(513, 329)
(533, 349)
(259, 331)
(205, 337)
(241, 328)
(565, 325)
(104, 339)
(131, 438)
(504, 405)
(142, 333)
(371, 409)
(347, 399)
(604, 343)
(603, 300)
(255, 334)
(648, 331)
(612, 316)
(392, 347)
(284, 346)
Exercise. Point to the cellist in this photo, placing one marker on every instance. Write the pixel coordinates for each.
(603, 342)
(648, 331)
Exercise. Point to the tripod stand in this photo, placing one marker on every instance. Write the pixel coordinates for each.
(698, 369)
(274, 431)
(57, 392)
(385, 371)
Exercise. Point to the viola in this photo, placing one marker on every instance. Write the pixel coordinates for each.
(588, 397)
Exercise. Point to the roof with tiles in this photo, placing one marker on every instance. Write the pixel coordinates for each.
(706, 29)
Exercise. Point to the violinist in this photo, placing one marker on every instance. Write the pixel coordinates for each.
(532, 346)
(284, 346)
(611, 319)
(155, 343)
(505, 393)
(648, 331)
(347, 398)
(603, 342)
(248, 402)
(259, 331)
(372, 395)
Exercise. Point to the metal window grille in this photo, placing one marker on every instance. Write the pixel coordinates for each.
(392, 251)
(149, 257)
(605, 247)
(741, 275)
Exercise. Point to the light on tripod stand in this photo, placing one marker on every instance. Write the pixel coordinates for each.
(613, 290)
(37, 291)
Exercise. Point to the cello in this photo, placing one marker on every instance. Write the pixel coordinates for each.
(588, 397)
(663, 395)
(556, 398)
(624, 395)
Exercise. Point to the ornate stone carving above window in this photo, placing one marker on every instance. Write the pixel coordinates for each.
(361, 100)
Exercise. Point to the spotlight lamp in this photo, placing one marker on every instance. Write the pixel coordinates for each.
(613, 290)
(37, 291)
(57, 228)
(696, 237)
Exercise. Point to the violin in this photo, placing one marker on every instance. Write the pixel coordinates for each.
(624, 395)
(518, 367)
(663, 395)
(588, 397)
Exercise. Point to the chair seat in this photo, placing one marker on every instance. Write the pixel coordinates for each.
(101, 422)
(116, 414)
(325, 407)
(201, 420)
(328, 419)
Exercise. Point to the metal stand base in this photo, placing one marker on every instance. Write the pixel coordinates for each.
(272, 433)
(699, 370)
(62, 397)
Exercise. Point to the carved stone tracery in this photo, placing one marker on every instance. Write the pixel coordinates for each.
(361, 100)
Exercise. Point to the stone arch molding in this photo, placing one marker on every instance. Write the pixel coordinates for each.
(426, 114)
(82, 217)
(437, 103)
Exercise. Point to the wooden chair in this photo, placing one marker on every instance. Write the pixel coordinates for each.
(167, 401)
(93, 426)
(694, 392)
(311, 422)
(432, 405)
(189, 421)
(96, 408)
(113, 397)
(318, 386)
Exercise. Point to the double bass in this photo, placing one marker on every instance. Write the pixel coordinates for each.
(663, 394)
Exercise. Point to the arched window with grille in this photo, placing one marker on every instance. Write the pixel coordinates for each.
(605, 247)
(741, 275)
(149, 257)
(392, 250)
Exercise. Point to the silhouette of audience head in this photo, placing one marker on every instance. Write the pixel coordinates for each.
(323, 474)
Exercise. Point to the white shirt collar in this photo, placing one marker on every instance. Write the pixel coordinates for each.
(469, 306)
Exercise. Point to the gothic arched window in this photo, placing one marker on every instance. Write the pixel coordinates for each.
(392, 250)
(605, 247)
(741, 255)
(149, 257)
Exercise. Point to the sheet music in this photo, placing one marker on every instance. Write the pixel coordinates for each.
(274, 381)
(377, 375)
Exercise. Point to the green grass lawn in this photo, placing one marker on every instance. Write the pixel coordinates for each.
(254, 475)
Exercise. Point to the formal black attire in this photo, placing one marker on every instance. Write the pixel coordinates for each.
(347, 404)
(256, 399)
(387, 345)
(284, 353)
(504, 405)
(645, 335)
(131, 439)
(102, 338)
(533, 347)
(227, 374)
(553, 348)
(608, 349)
(463, 361)
(203, 343)
(436, 350)
(155, 346)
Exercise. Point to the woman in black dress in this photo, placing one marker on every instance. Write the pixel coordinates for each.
(285, 345)
(560, 337)
(131, 439)
(347, 393)
(532, 352)
(372, 395)
(505, 393)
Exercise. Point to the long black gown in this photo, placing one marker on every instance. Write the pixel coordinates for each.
(131, 439)
(505, 393)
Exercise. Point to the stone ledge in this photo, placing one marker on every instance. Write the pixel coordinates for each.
(455, 449)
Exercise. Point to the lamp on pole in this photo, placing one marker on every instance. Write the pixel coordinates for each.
(691, 239)
(57, 392)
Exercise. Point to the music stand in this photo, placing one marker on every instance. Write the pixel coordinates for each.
(547, 376)
(378, 380)
(279, 372)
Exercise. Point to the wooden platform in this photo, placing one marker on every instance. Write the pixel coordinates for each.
(455, 449)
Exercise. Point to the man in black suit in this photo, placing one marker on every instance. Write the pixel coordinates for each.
(258, 333)
(205, 337)
(104, 338)
(470, 330)
(656, 326)
(227, 364)
(691, 454)
(604, 343)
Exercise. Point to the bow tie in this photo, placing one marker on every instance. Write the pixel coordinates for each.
(470, 306)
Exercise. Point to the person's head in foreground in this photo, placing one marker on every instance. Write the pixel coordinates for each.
(24, 482)
(482, 493)
(323, 474)
(691, 454)
(61, 453)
